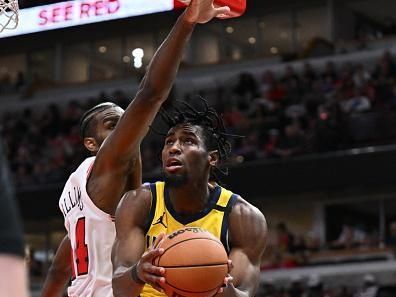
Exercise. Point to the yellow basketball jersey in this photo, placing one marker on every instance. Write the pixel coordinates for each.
(164, 219)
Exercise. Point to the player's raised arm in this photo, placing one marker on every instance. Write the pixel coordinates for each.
(119, 150)
(247, 249)
(58, 275)
(130, 263)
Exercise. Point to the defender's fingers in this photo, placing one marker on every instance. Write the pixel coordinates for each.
(222, 11)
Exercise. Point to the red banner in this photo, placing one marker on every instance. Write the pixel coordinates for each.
(179, 4)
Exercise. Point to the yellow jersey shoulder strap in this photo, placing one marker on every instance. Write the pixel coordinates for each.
(156, 190)
(225, 204)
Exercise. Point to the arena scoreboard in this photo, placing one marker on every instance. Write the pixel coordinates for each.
(79, 12)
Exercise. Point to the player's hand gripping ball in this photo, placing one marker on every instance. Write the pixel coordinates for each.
(195, 263)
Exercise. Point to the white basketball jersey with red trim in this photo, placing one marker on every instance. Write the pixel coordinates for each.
(92, 233)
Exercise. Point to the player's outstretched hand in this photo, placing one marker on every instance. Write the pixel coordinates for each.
(146, 271)
(202, 11)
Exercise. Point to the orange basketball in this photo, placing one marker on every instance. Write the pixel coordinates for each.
(195, 263)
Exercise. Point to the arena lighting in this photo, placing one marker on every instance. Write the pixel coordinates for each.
(274, 50)
(126, 59)
(230, 30)
(252, 40)
(81, 12)
(138, 55)
(102, 49)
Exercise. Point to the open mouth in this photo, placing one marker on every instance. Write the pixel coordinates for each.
(173, 165)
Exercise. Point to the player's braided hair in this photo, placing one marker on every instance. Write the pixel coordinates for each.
(215, 136)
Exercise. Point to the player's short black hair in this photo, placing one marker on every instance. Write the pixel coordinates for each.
(213, 129)
(87, 122)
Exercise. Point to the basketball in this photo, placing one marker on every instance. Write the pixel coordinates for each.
(195, 263)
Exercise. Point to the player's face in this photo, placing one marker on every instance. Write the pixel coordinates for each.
(185, 156)
(106, 122)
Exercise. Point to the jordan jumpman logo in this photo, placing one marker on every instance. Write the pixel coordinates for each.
(161, 221)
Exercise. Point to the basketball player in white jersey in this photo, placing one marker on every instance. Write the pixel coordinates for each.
(92, 192)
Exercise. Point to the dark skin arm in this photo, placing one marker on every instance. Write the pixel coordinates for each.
(119, 153)
(247, 249)
(59, 273)
(129, 246)
(135, 177)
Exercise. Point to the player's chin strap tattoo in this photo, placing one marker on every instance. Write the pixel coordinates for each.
(216, 137)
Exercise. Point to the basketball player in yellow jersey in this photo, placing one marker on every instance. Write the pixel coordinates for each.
(194, 146)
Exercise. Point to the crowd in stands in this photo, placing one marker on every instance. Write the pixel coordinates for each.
(355, 242)
(314, 286)
(45, 146)
(293, 114)
(289, 250)
(310, 112)
(9, 84)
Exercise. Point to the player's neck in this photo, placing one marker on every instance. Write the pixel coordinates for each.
(189, 198)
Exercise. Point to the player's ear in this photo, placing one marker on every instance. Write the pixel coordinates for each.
(91, 144)
(213, 157)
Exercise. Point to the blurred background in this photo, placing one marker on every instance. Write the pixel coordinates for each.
(311, 85)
